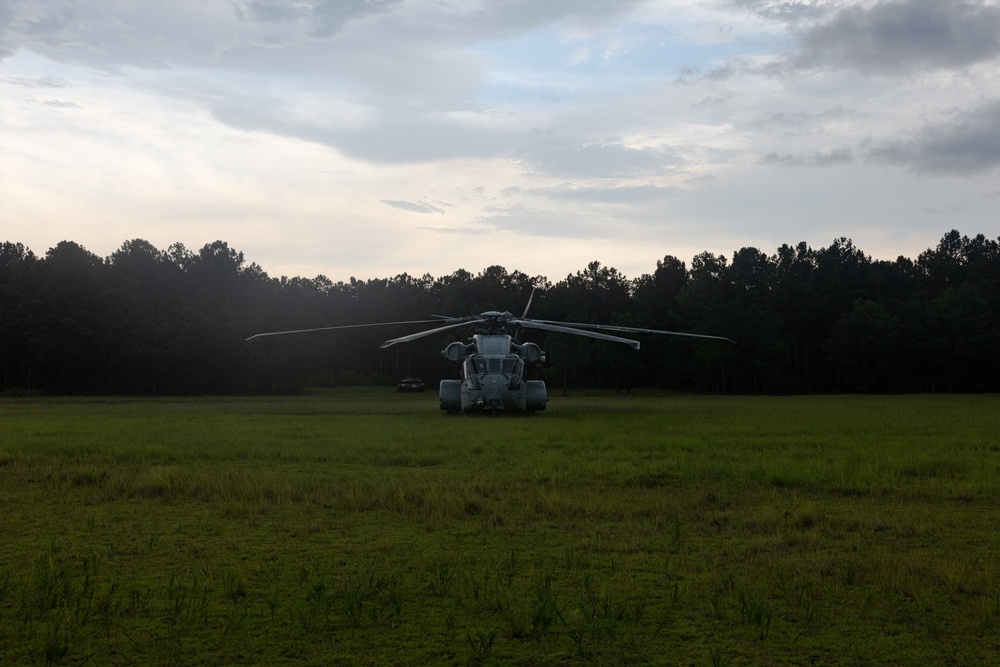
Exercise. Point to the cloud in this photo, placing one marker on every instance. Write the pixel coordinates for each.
(458, 231)
(968, 144)
(950, 210)
(380, 81)
(281, 33)
(6, 14)
(125, 33)
(40, 82)
(544, 222)
(384, 135)
(246, 118)
(601, 160)
(59, 104)
(903, 36)
(795, 123)
(320, 20)
(412, 206)
(785, 11)
(628, 195)
(730, 68)
(711, 102)
(836, 156)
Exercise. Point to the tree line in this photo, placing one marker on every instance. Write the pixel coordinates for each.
(151, 321)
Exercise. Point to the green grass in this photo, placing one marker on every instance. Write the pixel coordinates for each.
(367, 527)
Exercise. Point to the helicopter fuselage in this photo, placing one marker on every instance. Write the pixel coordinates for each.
(492, 369)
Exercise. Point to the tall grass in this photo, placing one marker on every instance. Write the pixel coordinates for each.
(368, 527)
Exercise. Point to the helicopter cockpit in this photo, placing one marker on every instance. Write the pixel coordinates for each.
(478, 365)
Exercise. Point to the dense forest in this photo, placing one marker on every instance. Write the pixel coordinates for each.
(174, 321)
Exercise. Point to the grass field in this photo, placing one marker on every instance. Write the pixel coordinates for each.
(369, 528)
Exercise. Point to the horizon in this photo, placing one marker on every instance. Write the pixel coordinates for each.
(631, 276)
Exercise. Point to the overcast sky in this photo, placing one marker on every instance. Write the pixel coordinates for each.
(368, 138)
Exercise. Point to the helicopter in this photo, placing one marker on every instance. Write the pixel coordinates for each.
(492, 364)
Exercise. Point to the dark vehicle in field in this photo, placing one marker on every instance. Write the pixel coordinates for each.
(411, 385)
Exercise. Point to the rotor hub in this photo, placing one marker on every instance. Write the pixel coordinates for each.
(494, 322)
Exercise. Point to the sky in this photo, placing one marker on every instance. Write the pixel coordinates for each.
(370, 138)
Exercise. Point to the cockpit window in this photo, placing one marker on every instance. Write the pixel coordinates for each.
(475, 366)
(508, 365)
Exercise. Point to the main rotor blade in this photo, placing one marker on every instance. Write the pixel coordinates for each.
(429, 332)
(610, 327)
(345, 326)
(528, 307)
(549, 326)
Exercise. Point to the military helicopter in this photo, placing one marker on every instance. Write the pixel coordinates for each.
(492, 364)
